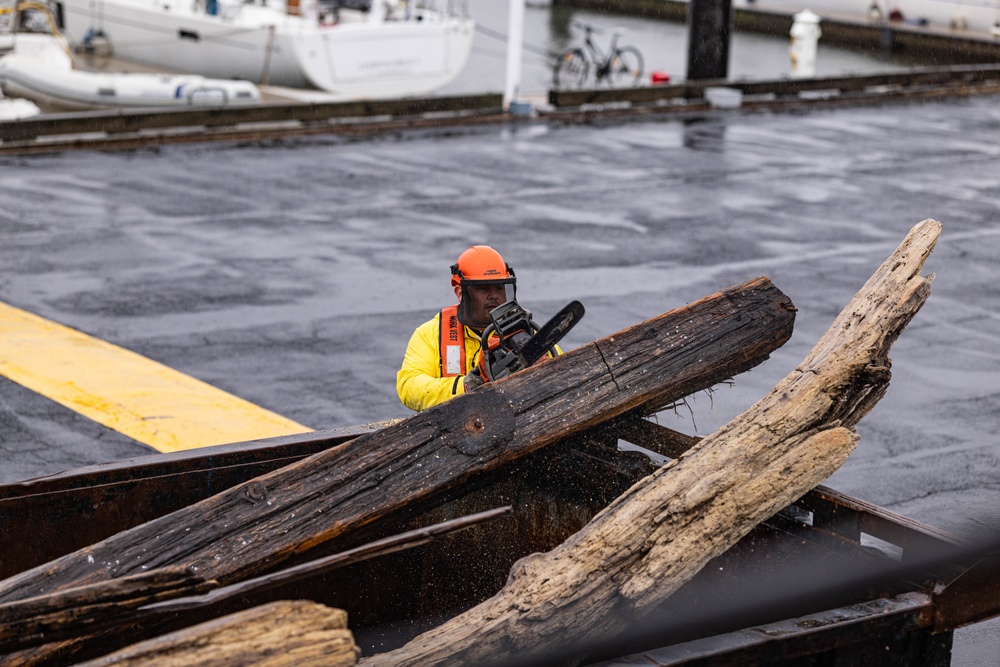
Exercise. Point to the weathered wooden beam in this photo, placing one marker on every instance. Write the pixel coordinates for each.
(383, 547)
(359, 485)
(915, 79)
(123, 602)
(295, 633)
(632, 556)
(83, 610)
(115, 121)
(101, 500)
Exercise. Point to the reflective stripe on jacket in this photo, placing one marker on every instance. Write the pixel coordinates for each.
(419, 382)
(452, 350)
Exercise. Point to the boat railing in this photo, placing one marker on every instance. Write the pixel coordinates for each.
(7, 15)
(459, 8)
(27, 16)
(30, 17)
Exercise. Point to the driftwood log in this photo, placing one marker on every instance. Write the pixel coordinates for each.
(658, 535)
(280, 634)
(351, 490)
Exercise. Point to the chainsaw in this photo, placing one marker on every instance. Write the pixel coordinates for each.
(513, 341)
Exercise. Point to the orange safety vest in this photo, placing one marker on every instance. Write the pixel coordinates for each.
(452, 351)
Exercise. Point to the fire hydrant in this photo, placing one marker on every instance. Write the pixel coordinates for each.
(805, 34)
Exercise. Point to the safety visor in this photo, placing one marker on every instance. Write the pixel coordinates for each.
(509, 285)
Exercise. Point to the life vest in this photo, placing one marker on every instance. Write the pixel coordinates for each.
(452, 351)
(451, 354)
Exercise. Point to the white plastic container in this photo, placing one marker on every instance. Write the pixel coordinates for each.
(724, 98)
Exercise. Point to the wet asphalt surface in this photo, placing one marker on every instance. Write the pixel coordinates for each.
(292, 274)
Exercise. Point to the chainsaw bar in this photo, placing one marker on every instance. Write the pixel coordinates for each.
(550, 334)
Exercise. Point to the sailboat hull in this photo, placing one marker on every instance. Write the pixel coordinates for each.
(358, 59)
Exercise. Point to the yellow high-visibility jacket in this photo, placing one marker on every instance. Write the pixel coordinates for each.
(419, 382)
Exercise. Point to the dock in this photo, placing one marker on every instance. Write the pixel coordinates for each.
(109, 130)
(289, 113)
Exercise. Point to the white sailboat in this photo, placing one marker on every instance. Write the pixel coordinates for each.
(389, 49)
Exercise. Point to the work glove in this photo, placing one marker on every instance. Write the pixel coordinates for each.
(473, 379)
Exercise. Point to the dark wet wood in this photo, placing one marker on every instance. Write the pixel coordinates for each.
(123, 602)
(78, 611)
(554, 493)
(101, 500)
(315, 568)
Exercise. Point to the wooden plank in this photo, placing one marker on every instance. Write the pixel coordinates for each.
(830, 506)
(122, 603)
(173, 465)
(99, 501)
(82, 610)
(117, 121)
(694, 90)
(659, 439)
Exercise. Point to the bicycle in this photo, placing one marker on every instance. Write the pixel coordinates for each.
(620, 66)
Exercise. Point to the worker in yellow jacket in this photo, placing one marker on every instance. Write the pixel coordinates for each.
(442, 354)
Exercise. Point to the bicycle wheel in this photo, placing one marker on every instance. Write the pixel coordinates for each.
(571, 70)
(625, 69)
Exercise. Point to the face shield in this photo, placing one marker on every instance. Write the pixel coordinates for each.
(506, 287)
(479, 297)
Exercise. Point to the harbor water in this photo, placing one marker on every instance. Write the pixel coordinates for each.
(549, 31)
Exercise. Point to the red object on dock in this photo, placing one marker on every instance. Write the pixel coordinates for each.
(657, 77)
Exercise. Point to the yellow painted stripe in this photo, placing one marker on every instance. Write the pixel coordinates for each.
(125, 391)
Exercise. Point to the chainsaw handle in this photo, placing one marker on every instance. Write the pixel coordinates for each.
(484, 358)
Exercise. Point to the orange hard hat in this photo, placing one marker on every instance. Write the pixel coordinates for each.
(480, 263)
